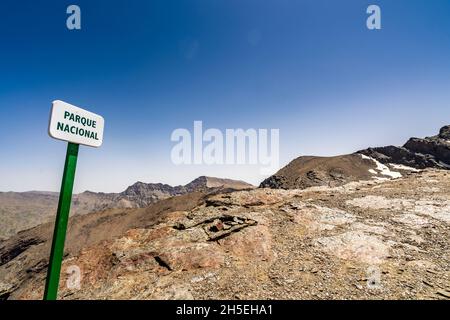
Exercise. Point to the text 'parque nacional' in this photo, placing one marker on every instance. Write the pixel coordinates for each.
(73, 124)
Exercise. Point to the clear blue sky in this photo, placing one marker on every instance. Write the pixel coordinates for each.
(310, 68)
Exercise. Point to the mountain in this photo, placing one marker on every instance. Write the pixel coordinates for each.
(430, 152)
(143, 194)
(23, 210)
(370, 225)
(373, 239)
(372, 163)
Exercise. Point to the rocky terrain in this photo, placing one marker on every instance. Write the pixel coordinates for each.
(23, 210)
(25, 254)
(375, 163)
(371, 225)
(377, 239)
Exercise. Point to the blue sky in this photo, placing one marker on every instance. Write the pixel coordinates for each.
(309, 68)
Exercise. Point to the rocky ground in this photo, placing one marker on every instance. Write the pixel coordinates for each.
(376, 239)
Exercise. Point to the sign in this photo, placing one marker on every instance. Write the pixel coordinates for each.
(73, 124)
(76, 126)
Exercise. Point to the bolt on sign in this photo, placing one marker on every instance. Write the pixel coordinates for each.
(76, 126)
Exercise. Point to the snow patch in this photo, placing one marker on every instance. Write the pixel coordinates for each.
(383, 170)
(381, 179)
(403, 167)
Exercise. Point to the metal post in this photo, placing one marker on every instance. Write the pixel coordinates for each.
(62, 217)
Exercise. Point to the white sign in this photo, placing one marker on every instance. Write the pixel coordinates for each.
(73, 124)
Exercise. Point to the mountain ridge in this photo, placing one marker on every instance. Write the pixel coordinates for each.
(23, 210)
(371, 163)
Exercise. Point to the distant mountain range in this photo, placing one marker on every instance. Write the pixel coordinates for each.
(23, 210)
(372, 163)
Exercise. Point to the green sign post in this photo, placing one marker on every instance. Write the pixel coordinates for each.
(76, 126)
(62, 218)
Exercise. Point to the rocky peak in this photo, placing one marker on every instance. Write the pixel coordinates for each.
(444, 133)
(419, 153)
(142, 189)
(197, 184)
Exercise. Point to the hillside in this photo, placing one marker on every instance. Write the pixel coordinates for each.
(25, 254)
(376, 239)
(372, 163)
(24, 210)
